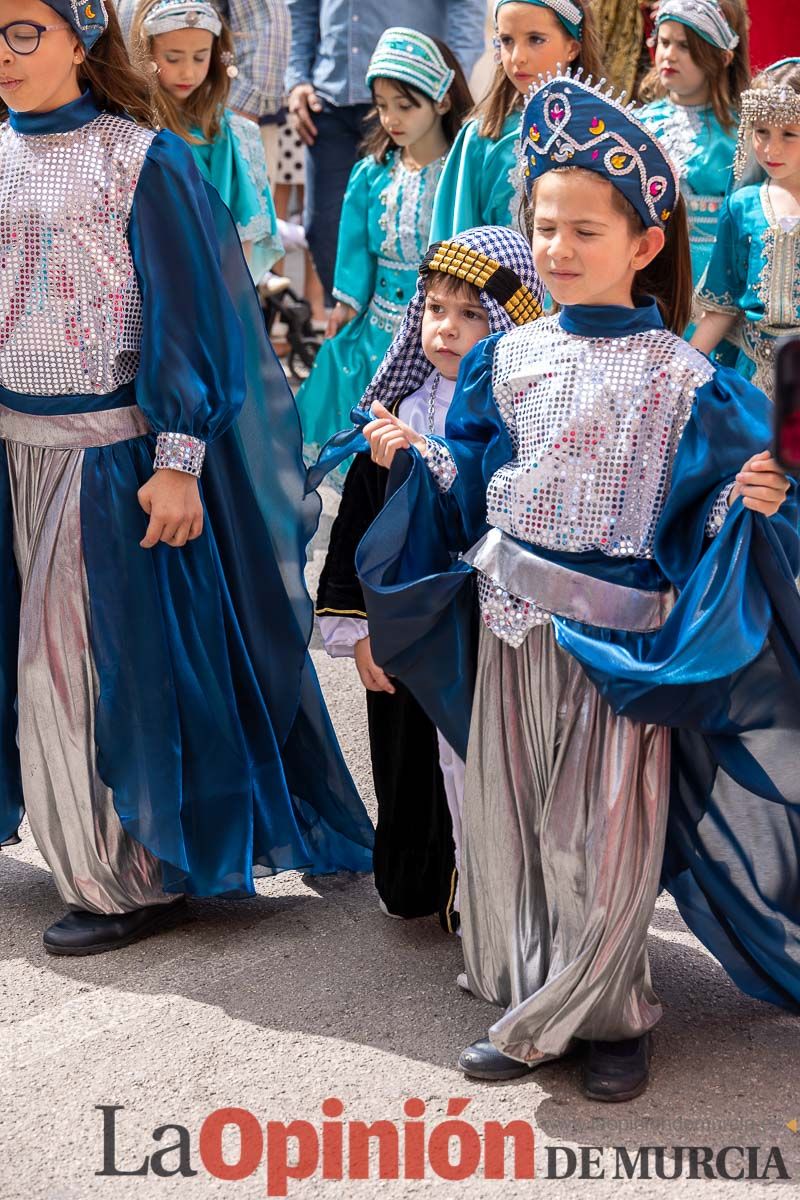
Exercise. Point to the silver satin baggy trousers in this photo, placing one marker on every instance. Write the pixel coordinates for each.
(96, 866)
(565, 813)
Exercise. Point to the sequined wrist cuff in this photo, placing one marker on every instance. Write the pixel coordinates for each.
(716, 518)
(440, 463)
(179, 452)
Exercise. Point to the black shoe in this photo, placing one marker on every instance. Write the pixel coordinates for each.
(617, 1071)
(14, 840)
(482, 1060)
(80, 933)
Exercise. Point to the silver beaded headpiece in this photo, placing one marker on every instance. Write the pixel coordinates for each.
(171, 15)
(774, 105)
(705, 17)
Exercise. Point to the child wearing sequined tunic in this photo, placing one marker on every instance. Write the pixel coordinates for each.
(592, 475)
(161, 723)
(189, 49)
(751, 290)
(701, 69)
(418, 777)
(532, 37)
(421, 98)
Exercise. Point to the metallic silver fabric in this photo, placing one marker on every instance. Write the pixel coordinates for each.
(68, 288)
(95, 865)
(508, 570)
(595, 424)
(73, 431)
(564, 823)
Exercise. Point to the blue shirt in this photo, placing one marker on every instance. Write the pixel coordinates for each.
(333, 40)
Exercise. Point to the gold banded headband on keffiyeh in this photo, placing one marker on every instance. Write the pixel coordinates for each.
(453, 258)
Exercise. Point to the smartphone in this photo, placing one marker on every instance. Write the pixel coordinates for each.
(787, 405)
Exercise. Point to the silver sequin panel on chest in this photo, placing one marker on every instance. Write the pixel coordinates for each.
(70, 301)
(595, 424)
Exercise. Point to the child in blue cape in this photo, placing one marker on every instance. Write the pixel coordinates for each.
(634, 707)
(160, 718)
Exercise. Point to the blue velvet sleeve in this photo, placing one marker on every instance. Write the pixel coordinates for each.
(191, 374)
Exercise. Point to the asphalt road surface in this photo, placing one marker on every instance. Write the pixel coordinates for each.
(308, 993)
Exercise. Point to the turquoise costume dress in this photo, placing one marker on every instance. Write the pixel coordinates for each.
(702, 152)
(382, 238)
(754, 273)
(234, 164)
(477, 184)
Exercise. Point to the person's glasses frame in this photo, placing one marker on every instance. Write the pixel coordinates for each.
(32, 25)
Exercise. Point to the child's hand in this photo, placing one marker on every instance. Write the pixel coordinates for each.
(341, 315)
(372, 677)
(762, 485)
(387, 435)
(172, 501)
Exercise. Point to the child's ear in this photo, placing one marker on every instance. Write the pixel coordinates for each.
(650, 245)
(444, 106)
(78, 52)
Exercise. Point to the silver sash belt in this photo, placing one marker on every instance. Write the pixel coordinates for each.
(566, 593)
(74, 431)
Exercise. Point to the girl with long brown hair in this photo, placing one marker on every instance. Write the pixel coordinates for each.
(156, 726)
(421, 98)
(532, 38)
(610, 492)
(701, 69)
(188, 49)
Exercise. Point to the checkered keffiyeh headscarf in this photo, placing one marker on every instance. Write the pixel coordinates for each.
(499, 262)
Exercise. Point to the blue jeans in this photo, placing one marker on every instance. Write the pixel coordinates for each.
(328, 165)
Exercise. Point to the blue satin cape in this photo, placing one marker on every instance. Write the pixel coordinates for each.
(211, 728)
(723, 672)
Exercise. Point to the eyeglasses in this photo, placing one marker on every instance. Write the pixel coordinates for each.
(23, 37)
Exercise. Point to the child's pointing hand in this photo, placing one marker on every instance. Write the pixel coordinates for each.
(386, 435)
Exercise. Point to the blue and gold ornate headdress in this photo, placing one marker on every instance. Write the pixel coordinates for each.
(414, 59)
(169, 16)
(570, 15)
(705, 17)
(570, 123)
(88, 18)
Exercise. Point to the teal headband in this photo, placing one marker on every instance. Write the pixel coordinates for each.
(414, 59)
(570, 15)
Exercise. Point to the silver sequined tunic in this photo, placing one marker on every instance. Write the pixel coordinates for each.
(68, 290)
(595, 424)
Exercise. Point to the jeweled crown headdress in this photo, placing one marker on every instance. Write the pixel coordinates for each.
(705, 17)
(171, 15)
(569, 122)
(88, 18)
(414, 59)
(776, 104)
